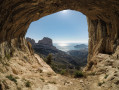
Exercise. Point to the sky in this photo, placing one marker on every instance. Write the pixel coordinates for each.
(67, 26)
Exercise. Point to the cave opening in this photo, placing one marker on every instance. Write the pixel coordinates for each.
(64, 36)
(22, 69)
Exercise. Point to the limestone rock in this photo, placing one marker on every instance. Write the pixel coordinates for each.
(103, 20)
(103, 28)
(32, 41)
(46, 41)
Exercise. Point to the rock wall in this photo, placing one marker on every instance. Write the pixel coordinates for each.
(102, 15)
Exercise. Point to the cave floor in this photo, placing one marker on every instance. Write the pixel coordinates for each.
(32, 73)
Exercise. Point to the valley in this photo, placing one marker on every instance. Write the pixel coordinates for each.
(68, 62)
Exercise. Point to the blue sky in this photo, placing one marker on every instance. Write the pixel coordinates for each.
(66, 26)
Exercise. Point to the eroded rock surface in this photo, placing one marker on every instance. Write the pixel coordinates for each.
(32, 41)
(103, 19)
(103, 23)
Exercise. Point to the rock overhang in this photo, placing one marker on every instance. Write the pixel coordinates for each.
(103, 19)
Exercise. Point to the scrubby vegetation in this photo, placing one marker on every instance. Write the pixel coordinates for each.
(60, 68)
(10, 77)
(28, 84)
(78, 74)
(106, 76)
(100, 83)
(49, 58)
(63, 72)
(64, 63)
(92, 73)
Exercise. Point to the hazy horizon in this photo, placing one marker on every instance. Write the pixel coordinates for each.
(68, 42)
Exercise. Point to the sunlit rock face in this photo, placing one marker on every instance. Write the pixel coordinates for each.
(32, 41)
(103, 21)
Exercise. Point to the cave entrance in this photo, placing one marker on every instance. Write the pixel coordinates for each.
(64, 39)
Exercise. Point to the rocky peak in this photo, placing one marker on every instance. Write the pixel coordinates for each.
(46, 41)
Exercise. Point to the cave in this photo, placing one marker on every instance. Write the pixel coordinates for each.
(102, 17)
(103, 29)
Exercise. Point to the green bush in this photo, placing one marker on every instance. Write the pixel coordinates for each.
(100, 83)
(78, 74)
(27, 84)
(106, 76)
(63, 72)
(49, 59)
(10, 77)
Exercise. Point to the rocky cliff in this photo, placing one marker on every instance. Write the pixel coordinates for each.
(102, 17)
(46, 41)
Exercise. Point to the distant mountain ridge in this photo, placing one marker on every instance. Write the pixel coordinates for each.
(61, 58)
(81, 46)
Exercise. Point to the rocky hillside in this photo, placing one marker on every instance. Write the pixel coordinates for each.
(81, 55)
(61, 60)
(23, 71)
